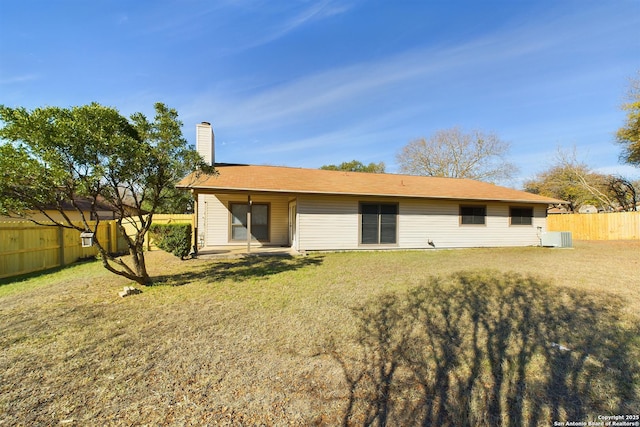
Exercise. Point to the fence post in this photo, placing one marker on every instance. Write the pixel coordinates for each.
(115, 248)
(108, 234)
(61, 245)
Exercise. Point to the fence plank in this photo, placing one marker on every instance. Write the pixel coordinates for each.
(601, 226)
(26, 247)
(173, 218)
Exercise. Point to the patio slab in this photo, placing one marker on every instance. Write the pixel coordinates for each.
(211, 252)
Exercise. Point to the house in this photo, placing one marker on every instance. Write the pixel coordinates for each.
(313, 209)
(587, 209)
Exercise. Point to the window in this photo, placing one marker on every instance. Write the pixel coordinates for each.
(378, 223)
(473, 215)
(259, 221)
(521, 216)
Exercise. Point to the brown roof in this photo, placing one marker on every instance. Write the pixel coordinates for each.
(84, 203)
(316, 181)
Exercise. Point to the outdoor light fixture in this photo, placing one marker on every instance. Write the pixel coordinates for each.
(87, 239)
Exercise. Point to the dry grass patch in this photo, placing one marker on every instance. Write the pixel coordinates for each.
(249, 341)
(488, 348)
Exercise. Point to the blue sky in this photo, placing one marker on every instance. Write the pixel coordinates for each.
(307, 83)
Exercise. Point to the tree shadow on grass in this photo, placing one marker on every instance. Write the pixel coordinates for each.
(237, 270)
(41, 273)
(487, 348)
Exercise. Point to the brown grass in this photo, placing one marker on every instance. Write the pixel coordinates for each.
(275, 341)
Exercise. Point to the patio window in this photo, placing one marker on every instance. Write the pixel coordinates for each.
(378, 223)
(259, 221)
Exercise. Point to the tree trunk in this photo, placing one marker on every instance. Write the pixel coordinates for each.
(139, 272)
(141, 266)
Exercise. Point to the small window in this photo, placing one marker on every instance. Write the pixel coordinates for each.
(473, 215)
(521, 216)
(259, 221)
(378, 223)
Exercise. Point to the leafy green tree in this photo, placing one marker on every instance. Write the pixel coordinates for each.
(629, 135)
(356, 166)
(178, 202)
(456, 154)
(52, 156)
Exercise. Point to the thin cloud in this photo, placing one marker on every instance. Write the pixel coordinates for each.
(356, 133)
(218, 18)
(179, 23)
(312, 151)
(335, 88)
(19, 79)
(319, 94)
(345, 108)
(625, 171)
(315, 12)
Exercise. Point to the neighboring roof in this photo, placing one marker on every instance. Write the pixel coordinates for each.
(84, 203)
(280, 179)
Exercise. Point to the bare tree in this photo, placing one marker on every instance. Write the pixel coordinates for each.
(595, 184)
(574, 181)
(624, 192)
(456, 154)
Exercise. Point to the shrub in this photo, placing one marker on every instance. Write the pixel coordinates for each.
(173, 238)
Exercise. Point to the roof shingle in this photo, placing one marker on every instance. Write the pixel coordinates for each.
(316, 181)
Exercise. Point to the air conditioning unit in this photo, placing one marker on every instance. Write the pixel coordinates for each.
(557, 239)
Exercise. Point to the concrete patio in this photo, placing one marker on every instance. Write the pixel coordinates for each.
(211, 252)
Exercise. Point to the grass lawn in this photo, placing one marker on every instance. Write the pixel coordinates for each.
(476, 337)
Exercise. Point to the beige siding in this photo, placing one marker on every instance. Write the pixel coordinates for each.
(279, 231)
(213, 221)
(328, 223)
(439, 222)
(213, 218)
(332, 223)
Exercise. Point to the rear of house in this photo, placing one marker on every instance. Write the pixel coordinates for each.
(312, 209)
(308, 222)
(389, 223)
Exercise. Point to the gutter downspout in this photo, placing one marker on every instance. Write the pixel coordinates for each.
(194, 238)
(249, 204)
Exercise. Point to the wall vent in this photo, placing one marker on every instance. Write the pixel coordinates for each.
(557, 239)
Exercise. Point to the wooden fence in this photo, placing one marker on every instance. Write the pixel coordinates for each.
(173, 218)
(602, 226)
(26, 247)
